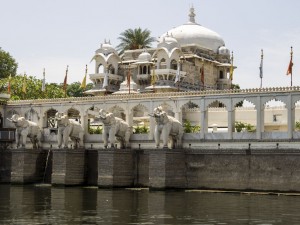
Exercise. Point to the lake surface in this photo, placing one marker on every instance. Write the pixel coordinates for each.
(52, 205)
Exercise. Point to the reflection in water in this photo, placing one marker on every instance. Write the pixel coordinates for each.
(52, 205)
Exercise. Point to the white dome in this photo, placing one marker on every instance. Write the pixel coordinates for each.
(144, 57)
(193, 33)
(224, 51)
(106, 48)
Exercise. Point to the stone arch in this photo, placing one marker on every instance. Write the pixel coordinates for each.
(100, 68)
(94, 125)
(163, 63)
(297, 115)
(217, 116)
(111, 69)
(215, 103)
(275, 115)
(32, 115)
(174, 64)
(191, 112)
(118, 112)
(247, 114)
(50, 118)
(74, 114)
(140, 115)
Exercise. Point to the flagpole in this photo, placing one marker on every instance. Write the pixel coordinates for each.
(231, 71)
(291, 66)
(261, 67)
(65, 81)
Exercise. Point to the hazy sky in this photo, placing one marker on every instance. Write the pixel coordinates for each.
(52, 34)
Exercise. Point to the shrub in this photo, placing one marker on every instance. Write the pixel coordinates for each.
(239, 126)
(189, 128)
(297, 126)
(141, 130)
(97, 130)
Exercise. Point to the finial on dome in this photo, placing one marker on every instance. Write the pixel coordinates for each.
(192, 15)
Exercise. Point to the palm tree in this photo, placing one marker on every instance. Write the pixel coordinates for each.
(135, 39)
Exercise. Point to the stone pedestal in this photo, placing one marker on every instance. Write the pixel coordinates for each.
(68, 167)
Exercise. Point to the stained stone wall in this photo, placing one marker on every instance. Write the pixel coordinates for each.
(274, 168)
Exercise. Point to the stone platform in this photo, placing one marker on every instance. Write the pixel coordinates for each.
(274, 168)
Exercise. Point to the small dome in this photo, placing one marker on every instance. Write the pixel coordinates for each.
(193, 33)
(106, 48)
(224, 51)
(144, 57)
(168, 41)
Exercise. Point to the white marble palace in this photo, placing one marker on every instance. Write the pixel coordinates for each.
(187, 74)
(187, 58)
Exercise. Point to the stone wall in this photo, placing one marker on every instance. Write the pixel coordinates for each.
(264, 169)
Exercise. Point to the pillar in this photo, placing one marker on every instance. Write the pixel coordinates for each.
(290, 116)
(203, 119)
(231, 119)
(260, 121)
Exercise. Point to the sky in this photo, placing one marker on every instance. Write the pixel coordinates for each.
(52, 34)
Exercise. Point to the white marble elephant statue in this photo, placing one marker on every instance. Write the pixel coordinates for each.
(114, 128)
(68, 128)
(24, 129)
(167, 126)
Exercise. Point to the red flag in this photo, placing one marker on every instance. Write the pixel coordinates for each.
(290, 68)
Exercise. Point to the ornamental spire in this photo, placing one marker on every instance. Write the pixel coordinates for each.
(192, 15)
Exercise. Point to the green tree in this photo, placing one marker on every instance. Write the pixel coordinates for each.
(8, 65)
(135, 39)
(74, 90)
(33, 88)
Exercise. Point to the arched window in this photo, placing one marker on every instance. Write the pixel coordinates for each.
(144, 69)
(174, 64)
(162, 64)
(100, 68)
(221, 74)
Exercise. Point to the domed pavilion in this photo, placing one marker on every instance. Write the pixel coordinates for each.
(188, 57)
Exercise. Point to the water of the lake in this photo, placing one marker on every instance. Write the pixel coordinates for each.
(51, 205)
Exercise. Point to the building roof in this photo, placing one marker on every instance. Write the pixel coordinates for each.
(194, 33)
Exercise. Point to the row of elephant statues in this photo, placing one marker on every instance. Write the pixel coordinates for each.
(114, 129)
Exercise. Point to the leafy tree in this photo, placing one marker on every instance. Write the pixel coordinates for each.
(74, 90)
(33, 88)
(135, 39)
(8, 65)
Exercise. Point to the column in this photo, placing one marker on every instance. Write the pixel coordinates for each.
(203, 119)
(231, 119)
(290, 116)
(152, 122)
(260, 114)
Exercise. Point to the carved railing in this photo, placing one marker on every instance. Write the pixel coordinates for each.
(160, 95)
